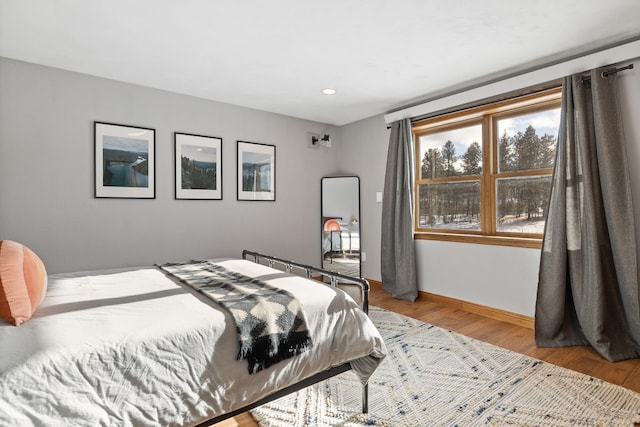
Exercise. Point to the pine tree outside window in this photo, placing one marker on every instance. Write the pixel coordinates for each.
(483, 175)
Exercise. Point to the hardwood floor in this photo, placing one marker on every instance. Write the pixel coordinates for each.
(506, 335)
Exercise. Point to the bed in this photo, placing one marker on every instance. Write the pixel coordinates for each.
(137, 347)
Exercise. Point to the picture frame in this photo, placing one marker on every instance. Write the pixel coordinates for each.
(256, 171)
(198, 161)
(124, 161)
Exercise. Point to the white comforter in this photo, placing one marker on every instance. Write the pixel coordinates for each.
(132, 347)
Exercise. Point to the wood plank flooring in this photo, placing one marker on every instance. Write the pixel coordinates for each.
(506, 335)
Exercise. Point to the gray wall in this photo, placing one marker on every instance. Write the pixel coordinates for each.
(47, 187)
(364, 153)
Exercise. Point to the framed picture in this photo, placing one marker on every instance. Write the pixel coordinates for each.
(198, 167)
(124, 161)
(256, 171)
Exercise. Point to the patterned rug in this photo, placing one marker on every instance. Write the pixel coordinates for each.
(435, 377)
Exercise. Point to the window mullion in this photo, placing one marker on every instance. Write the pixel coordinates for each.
(488, 190)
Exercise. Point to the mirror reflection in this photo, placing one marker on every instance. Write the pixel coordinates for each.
(340, 206)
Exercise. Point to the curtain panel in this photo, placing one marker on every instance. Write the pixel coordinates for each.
(397, 260)
(588, 285)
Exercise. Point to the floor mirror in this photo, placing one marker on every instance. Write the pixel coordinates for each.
(340, 206)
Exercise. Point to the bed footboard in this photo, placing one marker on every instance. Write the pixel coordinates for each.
(325, 276)
(333, 278)
(313, 272)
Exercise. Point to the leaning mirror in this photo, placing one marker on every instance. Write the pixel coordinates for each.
(340, 204)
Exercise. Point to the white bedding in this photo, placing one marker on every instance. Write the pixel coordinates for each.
(132, 347)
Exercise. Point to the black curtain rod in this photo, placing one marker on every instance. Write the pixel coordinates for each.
(607, 73)
(487, 101)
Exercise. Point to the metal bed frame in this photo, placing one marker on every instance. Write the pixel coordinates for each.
(314, 273)
(334, 279)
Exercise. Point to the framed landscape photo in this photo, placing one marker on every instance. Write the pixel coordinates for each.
(256, 171)
(124, 161)
(198, 167)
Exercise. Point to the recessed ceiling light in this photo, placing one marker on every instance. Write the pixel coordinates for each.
(329, 91)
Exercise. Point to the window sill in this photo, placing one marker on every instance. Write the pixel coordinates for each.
(519, 242)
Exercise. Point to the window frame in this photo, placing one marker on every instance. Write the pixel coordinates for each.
(488, 116)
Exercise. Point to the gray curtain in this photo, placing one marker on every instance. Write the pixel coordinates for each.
(588, 283)
(397, 261)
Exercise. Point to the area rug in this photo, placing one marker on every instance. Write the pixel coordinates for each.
(435, 377)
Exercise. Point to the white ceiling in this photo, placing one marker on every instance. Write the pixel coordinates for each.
(278, 55)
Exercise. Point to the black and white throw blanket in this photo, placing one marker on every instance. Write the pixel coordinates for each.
(270, 322)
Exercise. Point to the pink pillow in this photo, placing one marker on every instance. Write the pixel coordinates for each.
(23, 282)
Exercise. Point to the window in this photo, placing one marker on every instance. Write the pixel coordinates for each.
(484, 175)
